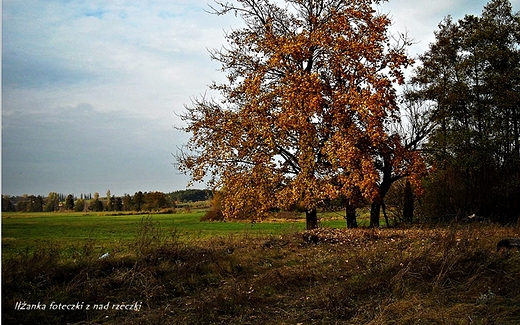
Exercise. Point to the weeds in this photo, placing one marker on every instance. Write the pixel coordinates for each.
(149, 236)
(361, 276)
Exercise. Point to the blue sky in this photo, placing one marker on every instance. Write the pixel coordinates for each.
(90, 89)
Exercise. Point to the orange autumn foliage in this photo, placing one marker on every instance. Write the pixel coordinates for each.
(304, 115)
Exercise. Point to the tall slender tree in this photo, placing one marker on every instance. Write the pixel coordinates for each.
(52, 202)
(138, 201)
(69, 202)
(110, 202)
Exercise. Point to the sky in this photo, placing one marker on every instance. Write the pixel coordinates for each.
(91, 90)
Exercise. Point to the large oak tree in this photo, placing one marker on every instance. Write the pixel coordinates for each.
(305, 113)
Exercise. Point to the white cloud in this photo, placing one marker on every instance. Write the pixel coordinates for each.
(420, 18)
(137, 52)
(108, 76)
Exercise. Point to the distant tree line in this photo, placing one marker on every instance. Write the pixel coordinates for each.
(190, 195)
(140, 201)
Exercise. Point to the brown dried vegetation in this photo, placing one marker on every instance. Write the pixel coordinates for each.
(361, 276)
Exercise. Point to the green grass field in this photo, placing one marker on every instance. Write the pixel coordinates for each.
(22, 231)
(26, 231)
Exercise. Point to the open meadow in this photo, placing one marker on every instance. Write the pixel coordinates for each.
(25, 231)
(108, 231)
(174, 269)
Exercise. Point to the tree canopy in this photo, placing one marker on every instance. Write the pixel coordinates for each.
(306, 112)
(471, 75)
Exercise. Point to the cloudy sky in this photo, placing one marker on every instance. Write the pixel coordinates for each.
(90, 89)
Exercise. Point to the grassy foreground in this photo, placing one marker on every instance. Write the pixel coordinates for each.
(364, 276)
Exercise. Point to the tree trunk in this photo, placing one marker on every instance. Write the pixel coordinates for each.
(311, 216)
(350, 216)
(384, 214)
(374, 214)
(383, 189)
(408, 203)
